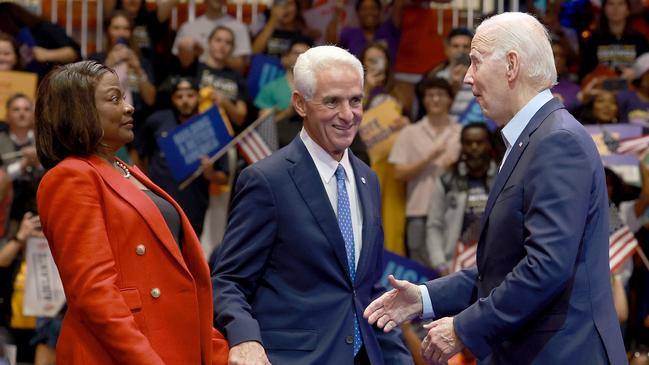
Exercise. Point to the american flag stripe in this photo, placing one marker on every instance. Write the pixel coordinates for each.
(253, 147)
(637, 144)
(465, 256)
(622, 244)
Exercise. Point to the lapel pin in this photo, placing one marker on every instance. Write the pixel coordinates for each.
(363, 180)
(520, 144)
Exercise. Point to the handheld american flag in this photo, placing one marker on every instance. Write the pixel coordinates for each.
(622, 242)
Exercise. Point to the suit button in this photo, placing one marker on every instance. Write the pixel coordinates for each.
(479, 277)
(155, 293)
(349, 340)
(140, 250)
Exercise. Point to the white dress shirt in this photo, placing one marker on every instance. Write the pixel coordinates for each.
(326, 166)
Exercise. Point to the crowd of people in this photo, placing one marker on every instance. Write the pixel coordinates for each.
(434, 182)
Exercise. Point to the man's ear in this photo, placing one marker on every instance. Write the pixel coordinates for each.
(513, 65)
(299, 103)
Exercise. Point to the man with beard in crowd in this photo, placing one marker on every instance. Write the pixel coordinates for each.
(195, 197)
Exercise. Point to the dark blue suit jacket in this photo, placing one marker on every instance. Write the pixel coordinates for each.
(281, 275)
(541, 292)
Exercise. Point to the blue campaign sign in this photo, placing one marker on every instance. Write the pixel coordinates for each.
(202, 135)
(263, 69)
(405, 269)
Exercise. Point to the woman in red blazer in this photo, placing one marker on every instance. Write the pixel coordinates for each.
(137, 285)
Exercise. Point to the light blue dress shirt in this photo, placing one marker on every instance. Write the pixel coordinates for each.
(510, 134)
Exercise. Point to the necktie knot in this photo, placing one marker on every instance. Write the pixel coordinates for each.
(340, 173)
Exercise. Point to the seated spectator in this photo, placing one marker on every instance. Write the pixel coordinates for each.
(371, 29)
(194, 198)
(566, 88)
(191, 42)
(634, 104)
(276, 95)
(600, 109)
(422, 152)
(459, 199)
(43, 44)
(134, 71)
(223, 86)
(9, 55)
(152, 33)
(614, 44)
(284, 26)
(19, 157)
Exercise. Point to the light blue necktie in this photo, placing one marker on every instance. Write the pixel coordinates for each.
(345, 223)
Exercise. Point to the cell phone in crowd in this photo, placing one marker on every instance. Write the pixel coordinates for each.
(615, 84)
(122, 40)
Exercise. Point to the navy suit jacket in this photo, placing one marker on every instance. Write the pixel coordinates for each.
(541, 292)
(281, 275)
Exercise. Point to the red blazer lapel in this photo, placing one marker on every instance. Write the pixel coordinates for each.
(145, 206)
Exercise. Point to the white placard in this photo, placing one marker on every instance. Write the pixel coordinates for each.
(10, 355)
(44, 296)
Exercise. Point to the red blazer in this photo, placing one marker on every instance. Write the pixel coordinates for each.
(133, 297)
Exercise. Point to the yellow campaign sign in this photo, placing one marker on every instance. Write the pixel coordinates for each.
(14, 82)
(379, 128)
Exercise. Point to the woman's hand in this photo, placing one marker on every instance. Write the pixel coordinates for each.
(118, 54)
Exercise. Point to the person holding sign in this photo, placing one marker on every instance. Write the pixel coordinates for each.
(302, 253)
(135, 278)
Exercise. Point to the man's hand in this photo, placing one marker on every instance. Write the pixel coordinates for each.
(248, 353)
(392, 308)
(441, 342)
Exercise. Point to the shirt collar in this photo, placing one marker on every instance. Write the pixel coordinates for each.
(517, 124)
(30, 138)
(324, 163)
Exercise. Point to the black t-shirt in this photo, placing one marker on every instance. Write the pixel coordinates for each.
(227, 81)
(476, 201)
(615, 53)
(280, 41)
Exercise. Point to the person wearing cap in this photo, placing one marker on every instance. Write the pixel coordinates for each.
(634, 104)
(195, 197)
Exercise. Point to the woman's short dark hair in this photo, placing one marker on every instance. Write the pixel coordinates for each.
(67, 122)
(433, 82)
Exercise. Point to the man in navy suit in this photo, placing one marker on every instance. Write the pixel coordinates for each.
(301, 256)
(540, 293)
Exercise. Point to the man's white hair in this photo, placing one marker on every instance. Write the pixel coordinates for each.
(523, 33)
(318, 59)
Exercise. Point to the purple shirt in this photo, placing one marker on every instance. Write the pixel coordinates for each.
(632, 109)
(354, 40)
(568, 90)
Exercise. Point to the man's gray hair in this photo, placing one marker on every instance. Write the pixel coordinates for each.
(523, 33)
(318, 59)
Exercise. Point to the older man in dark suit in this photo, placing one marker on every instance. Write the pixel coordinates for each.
(540, 293)
(301, 256)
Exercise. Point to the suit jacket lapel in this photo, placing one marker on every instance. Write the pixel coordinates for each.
(361, 175)
(512, 160)
(140, 202)
(308, 182)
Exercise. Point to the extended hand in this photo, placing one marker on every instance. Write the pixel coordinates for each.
(441, 342)
(392, 308)
(248, 353)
